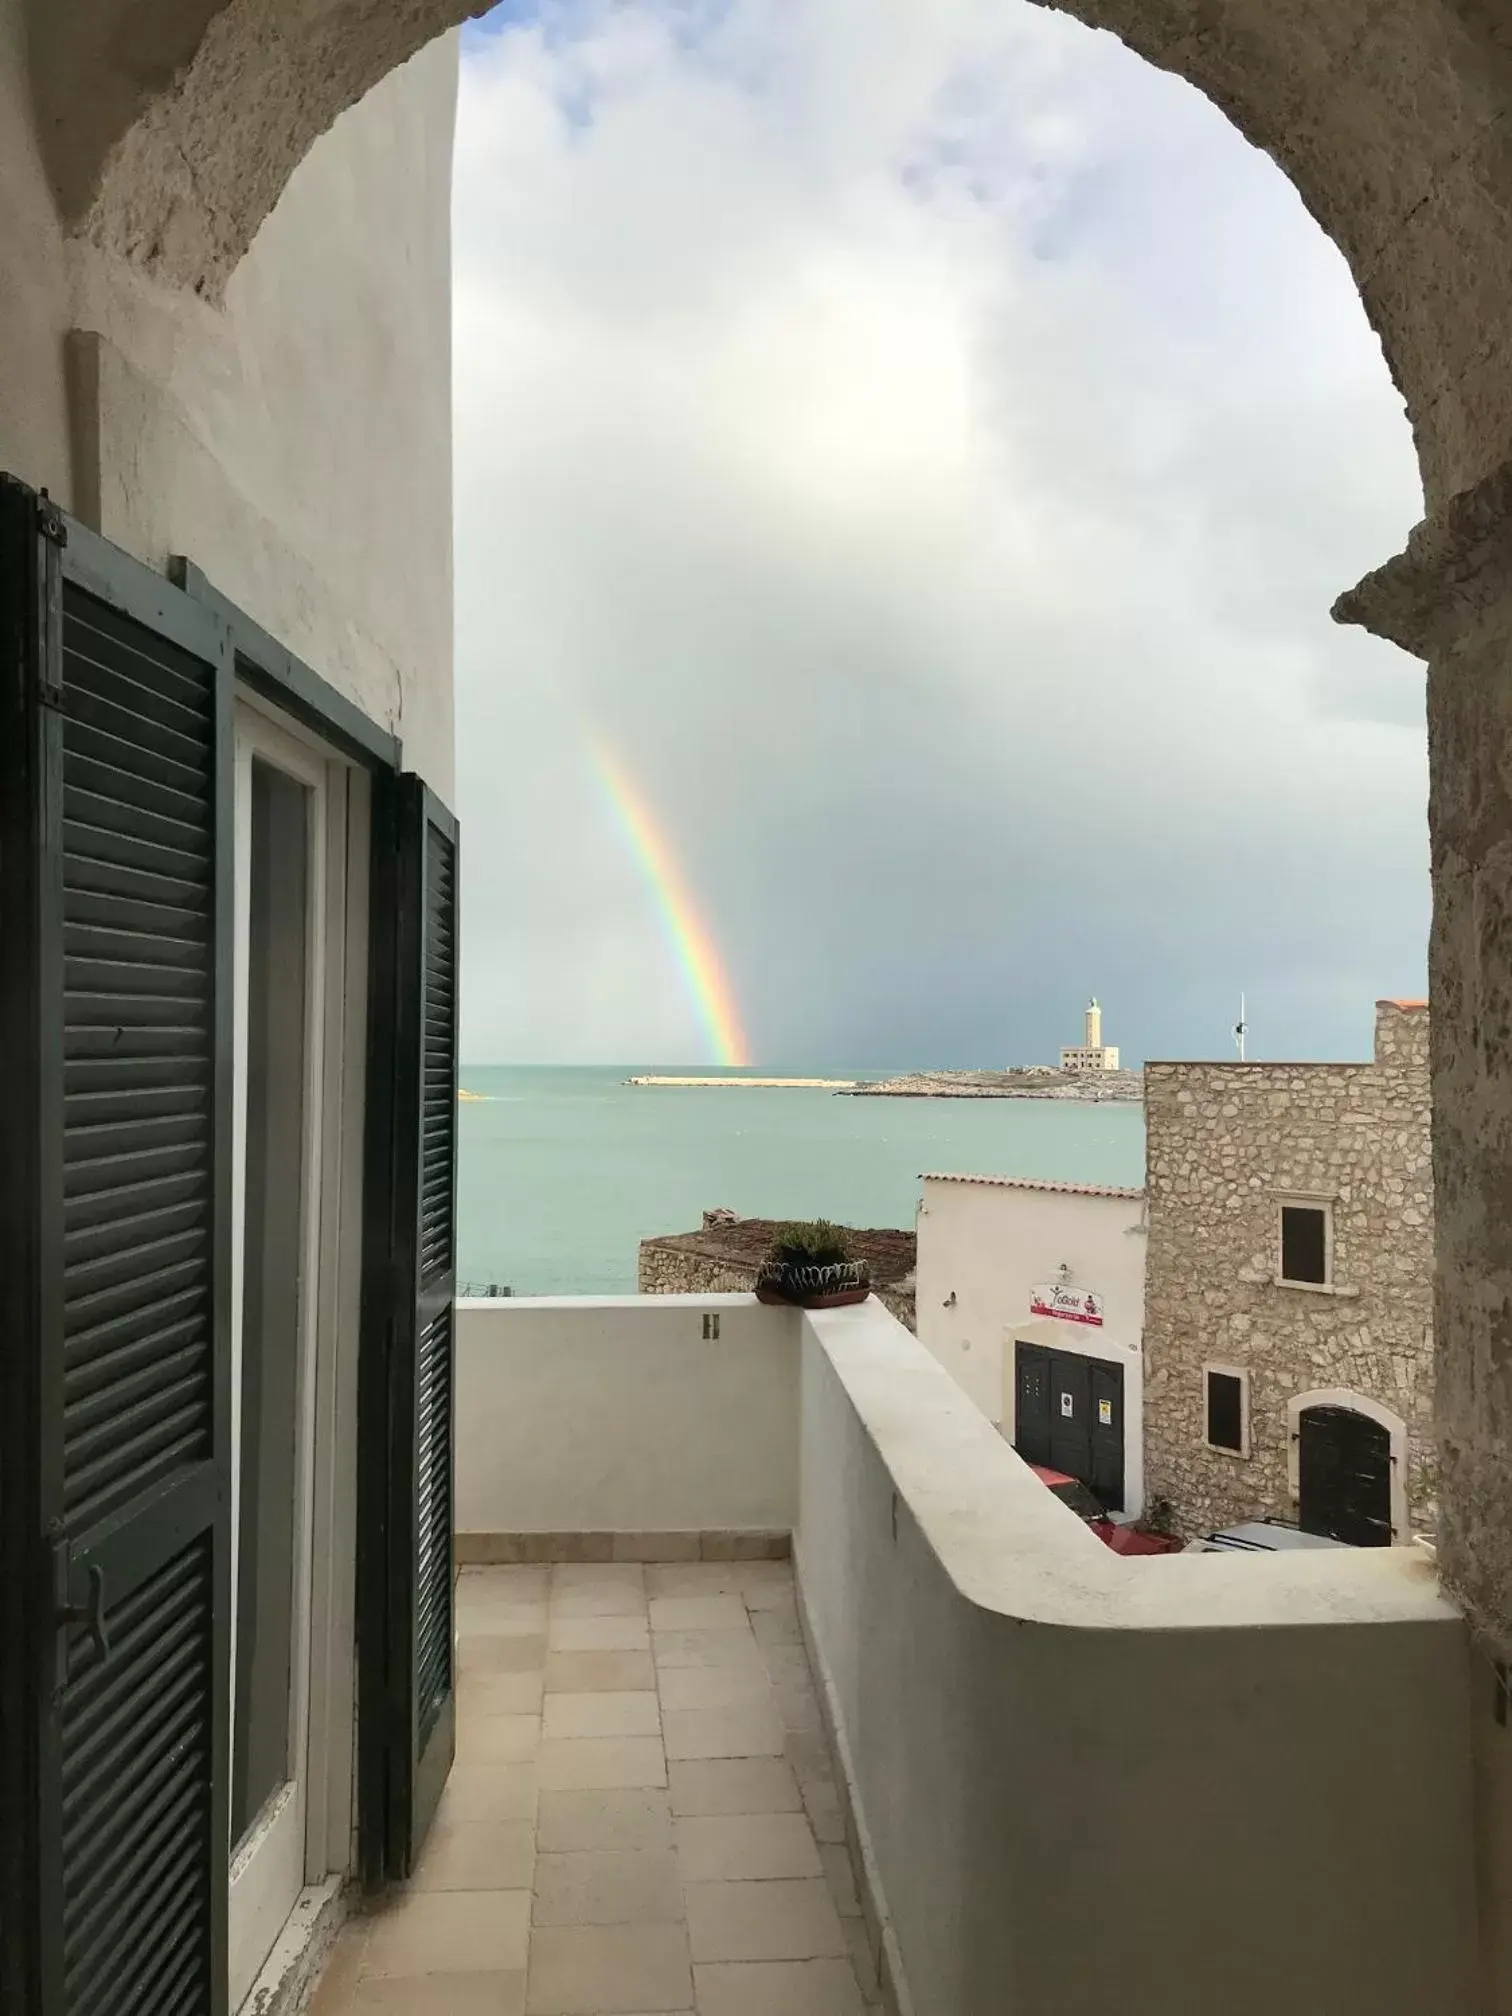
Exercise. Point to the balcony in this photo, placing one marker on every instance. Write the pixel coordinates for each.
(953, 1758)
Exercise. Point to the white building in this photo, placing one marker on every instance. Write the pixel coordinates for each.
(1092, 1054)
(1031, 1295)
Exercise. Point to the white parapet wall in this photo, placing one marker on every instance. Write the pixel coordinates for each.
(620, 1415)
(1166, 1786)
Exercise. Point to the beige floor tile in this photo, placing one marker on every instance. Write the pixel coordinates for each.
(597, 1634)
(488, 1792)
(694, 1578)
(798, 1705)
(516, 1623)
(762, 1582)
(599, 1672)
(497, 1739)
(591, 1822)
(498, 1994)
(821, 1802)
(841, 1877)
(449, 1932)
(608, 1970)
(764, 1921)
(630, 1714)
(697, 1613)
(599, 1599)
(477, 1855)
(496, 1652)
(809, 1755)
(778, 1988)
(512, 1583)
(498, 1694)
(338, 1981)
(746, 1729)
(776, 1627)
(634, 1887)
(734, 1785)
(728, 1847)
(712, 1686)
(600, 1763)
(787, 1663)
(707, 1648)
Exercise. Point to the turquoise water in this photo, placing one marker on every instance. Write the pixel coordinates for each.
(565, 1170)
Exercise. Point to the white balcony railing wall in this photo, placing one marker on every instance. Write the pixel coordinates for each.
(1078, 1781)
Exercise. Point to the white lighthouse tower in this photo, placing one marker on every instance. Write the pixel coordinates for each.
(1092, 1054)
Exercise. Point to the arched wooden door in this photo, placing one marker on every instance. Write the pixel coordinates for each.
(1344, 1476)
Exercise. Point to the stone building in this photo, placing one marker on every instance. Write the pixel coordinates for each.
(1288, 1298)
(724, 1257)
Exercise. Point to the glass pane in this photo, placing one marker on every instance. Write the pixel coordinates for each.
(273, 1228)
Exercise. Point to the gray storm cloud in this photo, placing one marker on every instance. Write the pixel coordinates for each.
(925, 449)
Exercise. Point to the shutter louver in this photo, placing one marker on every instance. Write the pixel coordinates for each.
(138, 1008)
(114, 1241)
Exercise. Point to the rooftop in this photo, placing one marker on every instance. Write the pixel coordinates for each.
(889, 1251)
(1035, 1183)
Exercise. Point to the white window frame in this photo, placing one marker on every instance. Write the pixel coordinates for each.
(1241, 1373)
(320, 1818)
(1357, 1403)
(1300, 1200)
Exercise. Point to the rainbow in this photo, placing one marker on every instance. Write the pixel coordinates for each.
(707, 983)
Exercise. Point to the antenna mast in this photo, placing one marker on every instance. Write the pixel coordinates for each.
(1241, 1029)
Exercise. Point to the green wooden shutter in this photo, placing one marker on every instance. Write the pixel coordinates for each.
(115, 914)
(406, 1638)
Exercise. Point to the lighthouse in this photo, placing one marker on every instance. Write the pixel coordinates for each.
(1091, 1054)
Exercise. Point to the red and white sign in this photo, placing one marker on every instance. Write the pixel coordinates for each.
(1071, 1305)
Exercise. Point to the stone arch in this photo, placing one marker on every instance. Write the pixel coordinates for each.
(172, 126)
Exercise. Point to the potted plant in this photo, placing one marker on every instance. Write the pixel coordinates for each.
(811, 1265)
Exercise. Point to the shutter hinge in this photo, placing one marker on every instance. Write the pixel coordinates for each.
(53, 528)
(50, 520)
(67, 1614)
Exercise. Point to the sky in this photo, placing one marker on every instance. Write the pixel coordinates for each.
(920, 445)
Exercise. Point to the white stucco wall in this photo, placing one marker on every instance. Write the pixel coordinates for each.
(617, 1415)
(294, 442)
(1091, 1783)
(988, 1244)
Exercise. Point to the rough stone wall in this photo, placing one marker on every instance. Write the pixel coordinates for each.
(665, 1268)
(1224, 1143)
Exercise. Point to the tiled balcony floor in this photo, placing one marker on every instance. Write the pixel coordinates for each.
(641, 1817)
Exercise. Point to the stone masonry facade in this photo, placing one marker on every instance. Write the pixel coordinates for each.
(1226, 1145)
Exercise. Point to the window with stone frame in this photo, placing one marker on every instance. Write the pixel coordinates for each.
(1305, 1244)
(1226, 1409)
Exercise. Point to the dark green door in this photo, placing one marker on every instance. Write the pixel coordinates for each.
(115, 1004)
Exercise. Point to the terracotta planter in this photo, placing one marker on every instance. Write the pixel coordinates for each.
(810, 1287)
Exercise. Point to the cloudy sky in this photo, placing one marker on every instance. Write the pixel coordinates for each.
(922, 444)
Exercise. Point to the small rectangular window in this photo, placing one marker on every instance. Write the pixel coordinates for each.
(1304, 1243)
(1225, 1411)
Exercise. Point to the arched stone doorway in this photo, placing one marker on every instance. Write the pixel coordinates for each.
(1346, 1460)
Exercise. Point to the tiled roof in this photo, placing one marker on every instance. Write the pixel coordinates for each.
(1033, 1183)
(1391, 1002)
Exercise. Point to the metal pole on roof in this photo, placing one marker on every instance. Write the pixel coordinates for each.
(1241, 1029)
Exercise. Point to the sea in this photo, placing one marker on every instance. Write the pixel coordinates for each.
(563, 1170)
